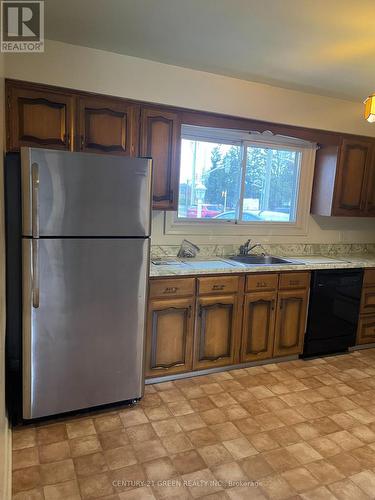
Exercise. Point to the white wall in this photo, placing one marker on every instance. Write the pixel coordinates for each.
(320, 230)
(4, 433)
(108, 73)
(114, 74)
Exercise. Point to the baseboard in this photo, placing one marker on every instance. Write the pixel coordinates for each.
(358, 347)
(6, 482)
(208, 371)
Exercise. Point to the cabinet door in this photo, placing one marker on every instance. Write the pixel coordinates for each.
(108, 125)
(366, 330)
(258, 326)
(216, 331)
(169, 336)
(370, 200)
(39, 118)
(290, 322)
(351, 190)
(368, 300)
(160, 140)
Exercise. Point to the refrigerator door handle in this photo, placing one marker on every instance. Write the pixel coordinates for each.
(35, 200)
(35, 273)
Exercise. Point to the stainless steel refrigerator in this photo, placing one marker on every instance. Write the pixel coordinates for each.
(85, 261)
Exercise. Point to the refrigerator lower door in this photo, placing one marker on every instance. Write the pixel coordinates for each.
(84, 304)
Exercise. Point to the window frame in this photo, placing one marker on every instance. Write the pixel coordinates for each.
(175, 225)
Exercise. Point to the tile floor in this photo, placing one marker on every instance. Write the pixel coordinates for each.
(300, 429)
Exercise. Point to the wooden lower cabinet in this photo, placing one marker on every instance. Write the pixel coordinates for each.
(258, 326)
(290, 322)
(366, 324)
(216, 321)
(169, 341)
(368, 300)
(366, 329)
(216, 331)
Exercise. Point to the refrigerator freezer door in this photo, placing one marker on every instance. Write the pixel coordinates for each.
(83, 327)
(84, 195)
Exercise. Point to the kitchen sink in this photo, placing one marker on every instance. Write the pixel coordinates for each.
(261, 260)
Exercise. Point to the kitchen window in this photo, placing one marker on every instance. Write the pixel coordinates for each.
(230, 177)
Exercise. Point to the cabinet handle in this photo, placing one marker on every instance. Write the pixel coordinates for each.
(35, 273)
(218, 287)
(67, 140)
(189, 311)
(171, 196)
(35, 200)
(82, 142)
(273, 305)
(170, 289)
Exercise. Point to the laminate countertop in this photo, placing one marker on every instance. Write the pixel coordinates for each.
(172, 266)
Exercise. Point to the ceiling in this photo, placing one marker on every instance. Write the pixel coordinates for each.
(325, 47)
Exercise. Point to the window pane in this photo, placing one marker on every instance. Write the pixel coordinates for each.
(271, 184)
(210, 179)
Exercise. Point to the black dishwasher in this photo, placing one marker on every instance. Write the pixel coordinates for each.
(335, 297)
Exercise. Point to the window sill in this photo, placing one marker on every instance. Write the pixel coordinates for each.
(171, 226)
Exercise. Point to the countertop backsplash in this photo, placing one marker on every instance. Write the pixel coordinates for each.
(295, 249)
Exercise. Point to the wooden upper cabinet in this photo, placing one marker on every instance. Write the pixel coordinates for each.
(290, 322)
(39, 118)
(216, 331)
(258, 326)
(169, 336)
(353, 168)
(160, 139)
(370, 199)
(107, 125)
(344, 179)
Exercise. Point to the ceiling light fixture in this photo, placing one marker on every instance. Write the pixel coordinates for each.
(370, 108)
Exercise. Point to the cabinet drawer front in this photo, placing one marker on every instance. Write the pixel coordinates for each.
(369, 277)
(262, 282)
(294, 280)
(366, 330)
(224, 284)
(368, 300)
(172, 287)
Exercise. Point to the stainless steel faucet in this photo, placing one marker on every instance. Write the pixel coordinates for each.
(246, 248)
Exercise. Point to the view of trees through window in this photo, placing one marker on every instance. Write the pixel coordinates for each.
(238, 181)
